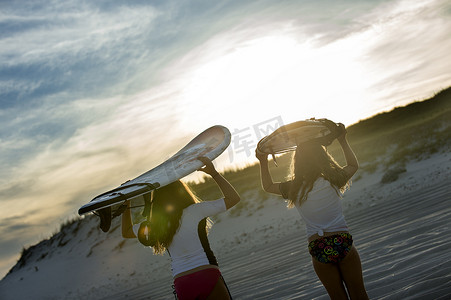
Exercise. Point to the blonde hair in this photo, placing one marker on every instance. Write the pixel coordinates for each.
(310, 162)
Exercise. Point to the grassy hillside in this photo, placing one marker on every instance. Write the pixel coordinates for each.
(387, 140)
(405, 132)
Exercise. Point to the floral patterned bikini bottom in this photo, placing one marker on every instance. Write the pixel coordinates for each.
(332, 248)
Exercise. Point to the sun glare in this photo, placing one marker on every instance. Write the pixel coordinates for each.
(295, 78)
(276, 76)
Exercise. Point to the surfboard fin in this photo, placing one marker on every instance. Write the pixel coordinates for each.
(105, 218)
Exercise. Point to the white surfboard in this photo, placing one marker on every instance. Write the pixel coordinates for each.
(288, 137)
(210, 143)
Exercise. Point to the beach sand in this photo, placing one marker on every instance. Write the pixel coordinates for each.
(401, 230)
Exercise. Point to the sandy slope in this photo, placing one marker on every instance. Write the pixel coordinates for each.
(401, 229)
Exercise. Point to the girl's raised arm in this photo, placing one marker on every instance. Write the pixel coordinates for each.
(267, 184)
(352, 165)
(231, 197)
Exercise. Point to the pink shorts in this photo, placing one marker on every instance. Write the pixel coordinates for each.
(198, 285)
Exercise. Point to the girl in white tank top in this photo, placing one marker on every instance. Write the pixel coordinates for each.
(315, 188)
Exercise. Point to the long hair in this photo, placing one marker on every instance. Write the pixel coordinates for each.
(310, 162)
(167, 208)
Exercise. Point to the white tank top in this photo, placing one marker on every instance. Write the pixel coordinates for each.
(322, 210)
(187, 251)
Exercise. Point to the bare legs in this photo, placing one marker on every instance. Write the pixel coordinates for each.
(347, 273)
(220, 291)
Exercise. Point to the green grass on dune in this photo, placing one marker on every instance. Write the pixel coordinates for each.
(405, 133)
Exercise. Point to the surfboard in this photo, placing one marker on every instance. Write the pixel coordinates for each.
(287, 137)
(210, 143)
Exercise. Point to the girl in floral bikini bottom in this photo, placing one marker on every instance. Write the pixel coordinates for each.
(315, 190)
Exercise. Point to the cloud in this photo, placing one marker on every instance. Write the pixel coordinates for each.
(406, 46)
(58, 64)
(62, 64)
(71, 48)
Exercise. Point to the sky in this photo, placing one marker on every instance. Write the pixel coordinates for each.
(93, 93)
